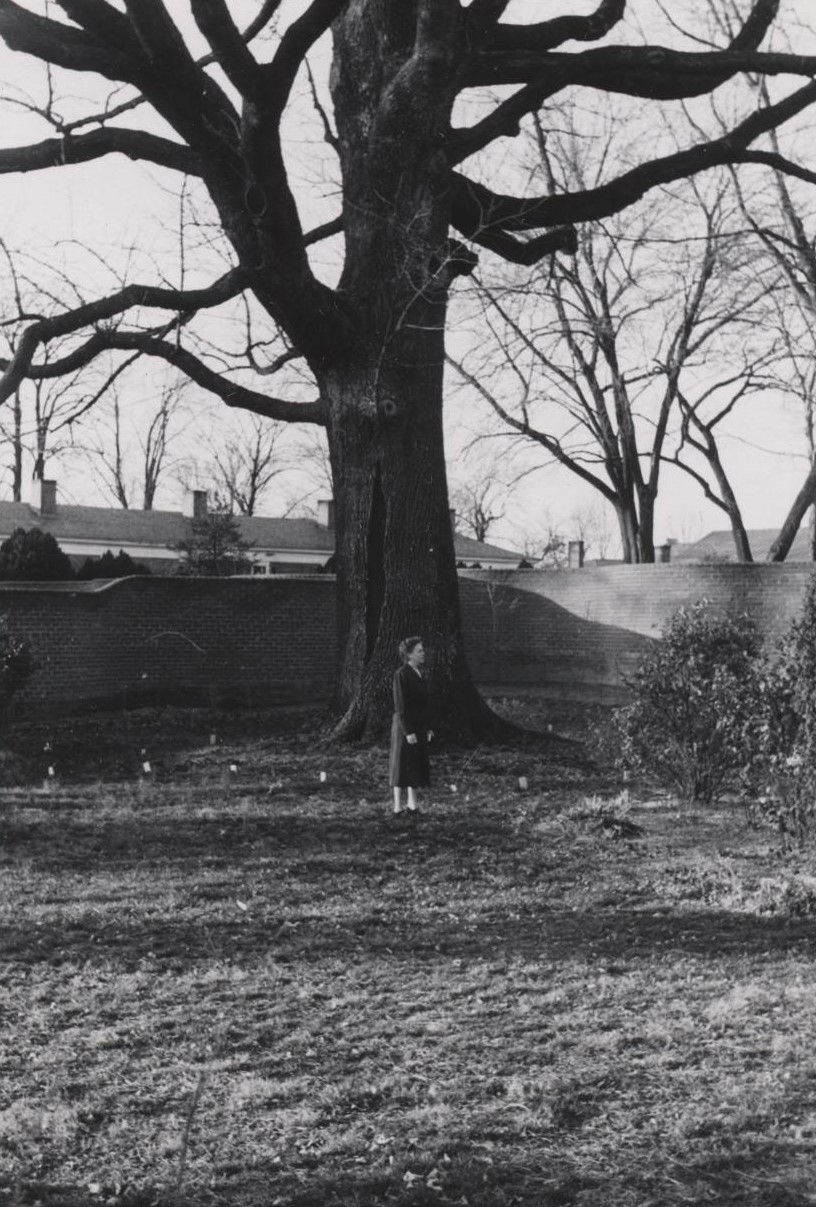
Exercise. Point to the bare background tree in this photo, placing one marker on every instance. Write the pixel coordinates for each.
(783, 222)
(628, 355)
(479, 503)
(129, 448)
(247, 459)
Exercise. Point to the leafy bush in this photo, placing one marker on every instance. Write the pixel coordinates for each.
(31, 555)
(697, 709)
(121, 565)
(781, 775)
(16, 664)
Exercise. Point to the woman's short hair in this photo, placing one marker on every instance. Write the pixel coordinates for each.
(407, 645)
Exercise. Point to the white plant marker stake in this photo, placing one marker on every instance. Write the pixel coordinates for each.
(523, 783)
(322, 777)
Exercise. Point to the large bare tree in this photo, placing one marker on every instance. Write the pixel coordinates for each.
(412, 172)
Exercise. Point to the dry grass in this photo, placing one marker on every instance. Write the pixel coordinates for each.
(252, 988)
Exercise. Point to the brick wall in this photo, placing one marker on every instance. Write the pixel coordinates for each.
(177, 640)
(582, 632)
(271, 640)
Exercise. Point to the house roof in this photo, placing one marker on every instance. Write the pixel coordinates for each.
(719, 546)
(114, 528)
(269, 532)
(468, 549)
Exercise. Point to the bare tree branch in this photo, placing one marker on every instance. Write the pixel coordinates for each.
(135, 144)
(550, 443)
(476, 210)
(482, 15)
(295, 45)
(228, 45)
(61, 44)
(70, 321)
(232, 393)
(524, 251)
(325, 231)
(267, 12)
(546, 35)
(654, 72)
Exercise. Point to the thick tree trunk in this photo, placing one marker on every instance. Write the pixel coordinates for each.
(646, 549)
(742, 544)
(728, 500)
(629, 528)
(396, 566)
(17, 458)
(781, 547)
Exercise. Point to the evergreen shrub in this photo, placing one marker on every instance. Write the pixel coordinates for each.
(698, 708)
(110, 565)
(31, 555)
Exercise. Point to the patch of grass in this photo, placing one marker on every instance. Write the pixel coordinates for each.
(255, 987)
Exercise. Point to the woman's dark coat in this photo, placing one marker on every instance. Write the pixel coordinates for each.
(408, 766)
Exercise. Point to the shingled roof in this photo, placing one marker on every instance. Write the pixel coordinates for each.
(154, 531)
(719, 546)
(114, 526)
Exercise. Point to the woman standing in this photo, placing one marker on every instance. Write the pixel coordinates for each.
(408, 765)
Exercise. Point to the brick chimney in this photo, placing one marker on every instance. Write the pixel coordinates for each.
(575, 555)
(200, 506)
(325, 513)
(48, 496)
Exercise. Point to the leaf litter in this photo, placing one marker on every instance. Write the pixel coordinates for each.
(217, 994)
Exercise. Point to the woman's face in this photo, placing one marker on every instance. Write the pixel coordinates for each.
(416, 656)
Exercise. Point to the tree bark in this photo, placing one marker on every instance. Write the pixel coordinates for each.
(396, 566)
(646, 550)
(780, 549)
(17, 457)
(393, 91)
(742, 544)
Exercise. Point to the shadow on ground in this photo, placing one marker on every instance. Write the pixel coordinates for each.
(766, 1175)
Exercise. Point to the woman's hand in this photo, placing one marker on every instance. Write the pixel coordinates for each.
(411, 739)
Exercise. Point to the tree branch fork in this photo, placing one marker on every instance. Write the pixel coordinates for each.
(142, 47)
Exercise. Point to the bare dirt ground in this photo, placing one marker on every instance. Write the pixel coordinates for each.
(227, 980)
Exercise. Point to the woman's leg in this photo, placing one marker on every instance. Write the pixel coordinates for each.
(398, 799)
(412, 800)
